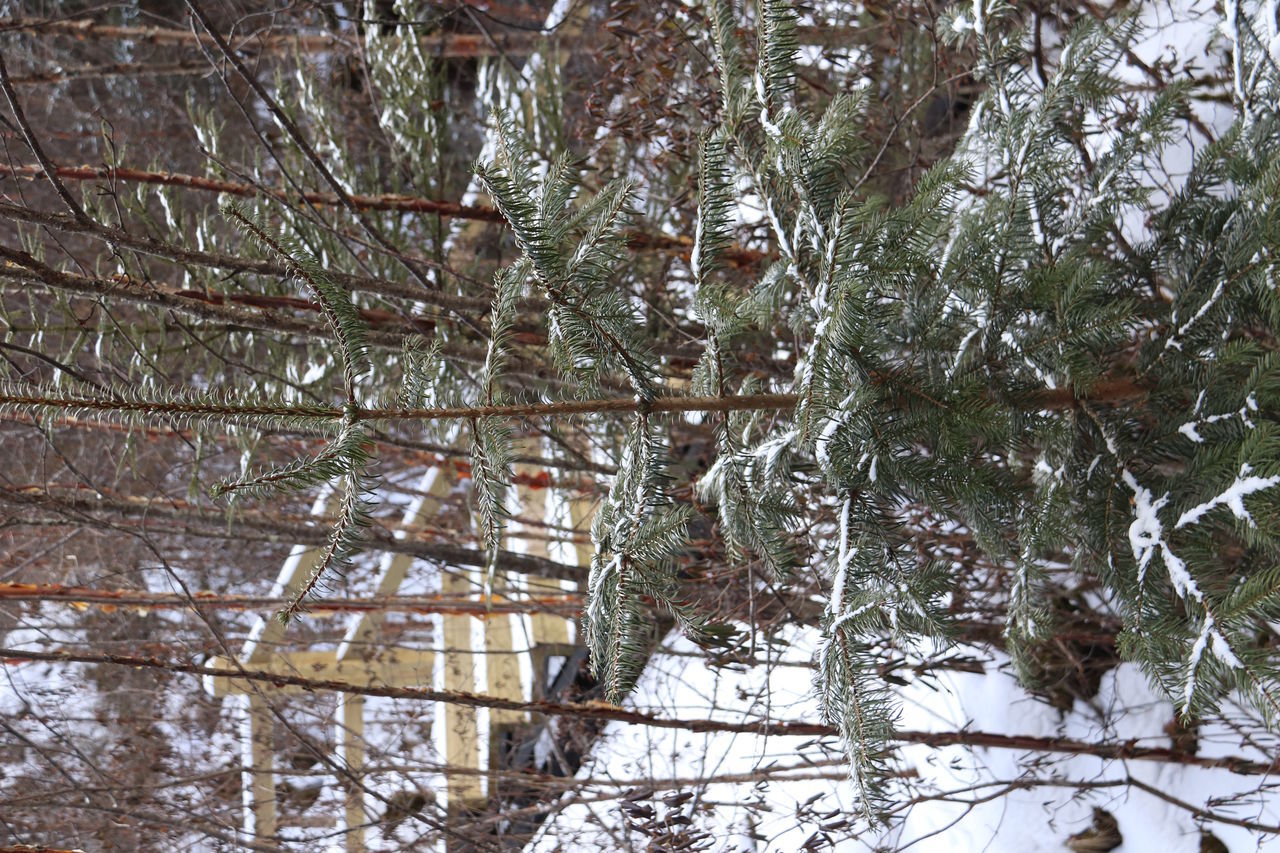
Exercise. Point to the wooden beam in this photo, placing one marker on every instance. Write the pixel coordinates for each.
(349, 740)
(390, 666)
(462, 731)
(258, 769)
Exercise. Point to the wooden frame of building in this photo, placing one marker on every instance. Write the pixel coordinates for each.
(479, 654)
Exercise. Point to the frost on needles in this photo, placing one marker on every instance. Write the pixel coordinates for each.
(1003, 355)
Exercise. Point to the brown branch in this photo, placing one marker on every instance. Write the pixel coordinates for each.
(1006, 787)
(260, 313)
(83, 505)
(131, 70)
(1107, 750)
(444, 45)
(638, 240)
(566, 605)
(408, 204)
(1203, 814)
(34, 144)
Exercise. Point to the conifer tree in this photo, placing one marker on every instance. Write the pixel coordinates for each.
(1005, 360)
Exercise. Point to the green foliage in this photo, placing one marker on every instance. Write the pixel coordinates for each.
(346, 458)
(1056, 297)
(339, 312)
(344, 541)
(637, 531)
(573, 253)
(493, 437)
(936, 333)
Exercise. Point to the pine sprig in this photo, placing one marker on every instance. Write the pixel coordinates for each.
(354, 517)
(778, 47)
(337, 458)
(346, 457)
(342, 316)
(758, 515)
(594, 328)
(637, 532)
(491, 441)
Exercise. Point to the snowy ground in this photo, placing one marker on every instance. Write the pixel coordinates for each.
(794, 803)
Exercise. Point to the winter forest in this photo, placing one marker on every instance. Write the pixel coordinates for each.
(640, 425)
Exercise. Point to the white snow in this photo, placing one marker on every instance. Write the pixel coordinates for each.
(752, 784)
(844, 556)
(1246, 483)
(1146, 533)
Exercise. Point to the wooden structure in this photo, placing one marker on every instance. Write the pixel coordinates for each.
(506, 655)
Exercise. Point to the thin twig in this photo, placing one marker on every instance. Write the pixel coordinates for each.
(1108, 750)
(34, 144)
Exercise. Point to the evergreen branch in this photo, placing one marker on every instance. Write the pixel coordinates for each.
(419, 369)
(778, 46)
(735, 83)
(197, 407)
(637, 533)
(509, 284)
(181, 254)
(491, 441)
(353, 518)
(856, 703)
(492, 438)
(757, 514)
(342, 454)
(591, 320)
(715, 206)
(347, 324)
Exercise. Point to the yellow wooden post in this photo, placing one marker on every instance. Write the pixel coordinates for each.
(502, 670)
(258, 770)
(358, 642)
(462, 733)
(258, 755)
(349, 739)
